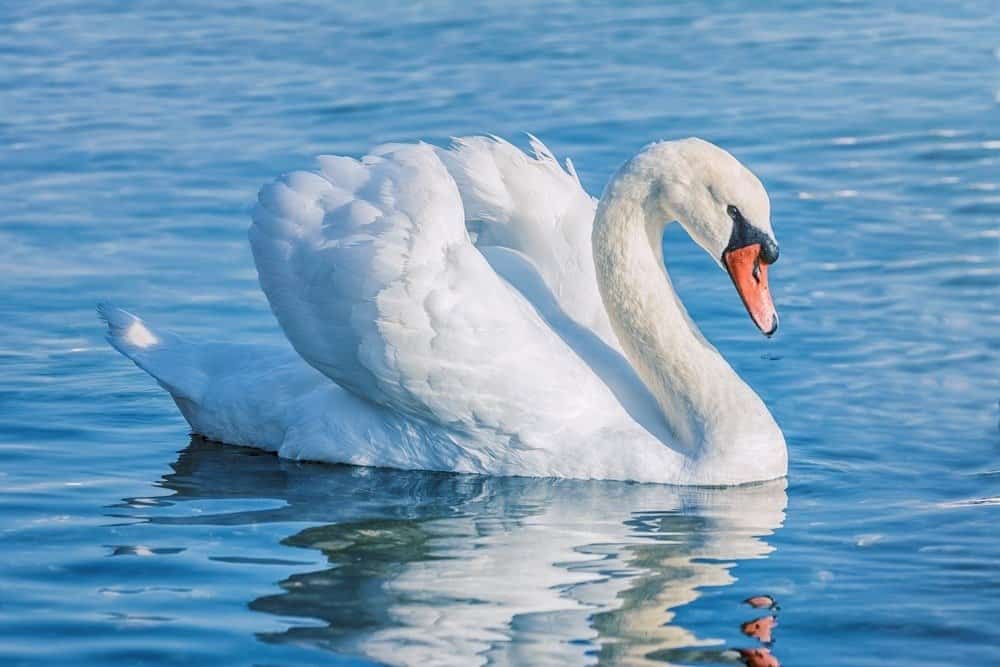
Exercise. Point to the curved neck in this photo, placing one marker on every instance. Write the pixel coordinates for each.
(696, 389)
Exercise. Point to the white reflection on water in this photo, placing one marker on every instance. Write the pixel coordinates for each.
(457, 569)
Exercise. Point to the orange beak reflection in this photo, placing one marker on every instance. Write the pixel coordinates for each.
(749, 275)
(758, 657)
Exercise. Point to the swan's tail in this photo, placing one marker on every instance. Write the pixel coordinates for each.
(171, 361)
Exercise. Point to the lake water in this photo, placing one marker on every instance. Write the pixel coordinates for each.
(133, 141)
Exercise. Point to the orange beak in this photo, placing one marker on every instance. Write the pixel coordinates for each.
(749, 275)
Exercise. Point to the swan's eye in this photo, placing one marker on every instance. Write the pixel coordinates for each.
(733, 212)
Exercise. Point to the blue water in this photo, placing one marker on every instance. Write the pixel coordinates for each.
(132, 141)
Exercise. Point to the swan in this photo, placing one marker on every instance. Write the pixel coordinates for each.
(472, 309)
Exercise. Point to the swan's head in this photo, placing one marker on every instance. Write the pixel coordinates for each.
(725, 209)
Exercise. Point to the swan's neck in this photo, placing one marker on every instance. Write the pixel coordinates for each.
(705, 403)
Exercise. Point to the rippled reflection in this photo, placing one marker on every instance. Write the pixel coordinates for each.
(459, 569)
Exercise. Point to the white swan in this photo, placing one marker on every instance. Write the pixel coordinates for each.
(472, 309)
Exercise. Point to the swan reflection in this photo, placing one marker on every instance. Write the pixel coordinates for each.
(458, 569)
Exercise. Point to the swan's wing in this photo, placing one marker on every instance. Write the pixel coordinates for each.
(369, 269)
(529, 203)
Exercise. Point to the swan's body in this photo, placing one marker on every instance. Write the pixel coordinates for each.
(553, 346)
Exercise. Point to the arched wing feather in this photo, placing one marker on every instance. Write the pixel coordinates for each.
(531, 204)
(370, 271)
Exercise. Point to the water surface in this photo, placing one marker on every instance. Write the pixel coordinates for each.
(133, 141)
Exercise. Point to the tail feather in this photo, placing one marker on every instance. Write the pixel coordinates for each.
(126, 331)
(169, 359)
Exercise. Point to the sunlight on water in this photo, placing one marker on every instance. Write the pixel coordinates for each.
(134, 139)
